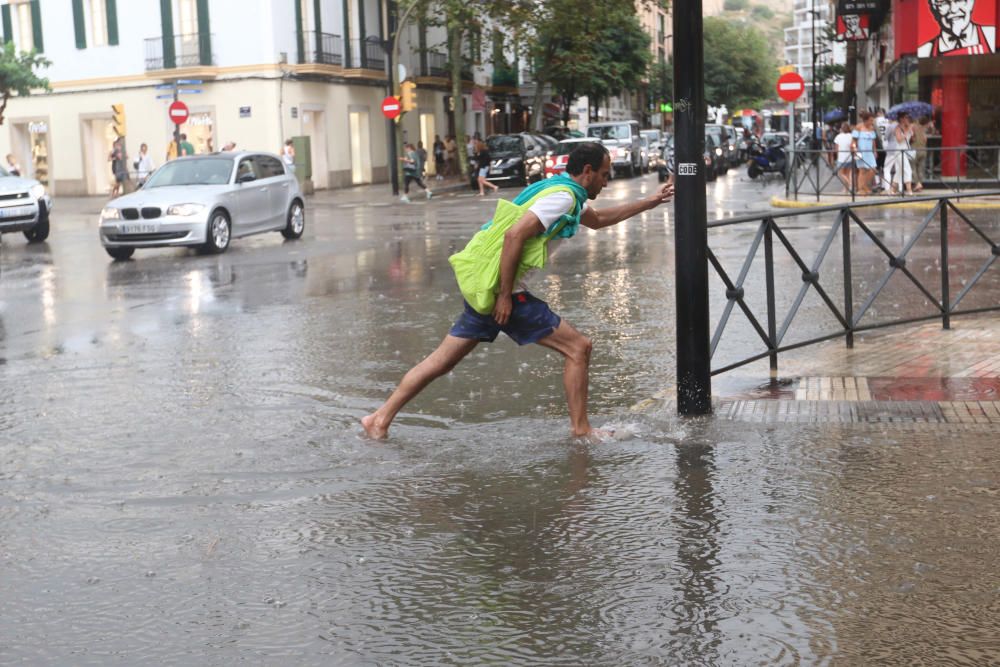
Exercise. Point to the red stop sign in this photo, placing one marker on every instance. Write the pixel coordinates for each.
(390, 107)
(178, 112)
(790, 86)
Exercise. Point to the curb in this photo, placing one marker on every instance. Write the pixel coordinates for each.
(778, 202)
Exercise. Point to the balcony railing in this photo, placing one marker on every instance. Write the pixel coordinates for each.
(179, 51)
(367, 54)
(322, 48)
(434, 64)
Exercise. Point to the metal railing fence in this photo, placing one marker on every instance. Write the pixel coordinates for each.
(322, 48)
(847, 222)
(817, 172)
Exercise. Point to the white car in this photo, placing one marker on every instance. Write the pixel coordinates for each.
(24, 207)
(204, 201)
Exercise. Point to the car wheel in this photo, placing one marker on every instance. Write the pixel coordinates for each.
(753, 171)
(218, 233)
(40, 231)
(296, 221)
(120, 254)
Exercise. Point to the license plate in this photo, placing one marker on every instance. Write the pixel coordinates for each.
(15, 211)
(139, 229)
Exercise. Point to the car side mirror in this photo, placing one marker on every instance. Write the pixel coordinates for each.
(245, 178)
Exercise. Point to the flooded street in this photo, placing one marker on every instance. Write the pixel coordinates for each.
(183, 480)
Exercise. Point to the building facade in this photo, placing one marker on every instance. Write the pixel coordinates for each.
(806, 43)
(253, 72)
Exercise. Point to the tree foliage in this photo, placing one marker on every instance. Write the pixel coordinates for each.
(740, 69)
(17, 74)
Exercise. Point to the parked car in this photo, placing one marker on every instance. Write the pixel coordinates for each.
(558, 132)
(24, 207)
(622, 139)
(555, 164)
(516, 159)
(655, 139)
(205, 201)
(668, 159)
(644, 154)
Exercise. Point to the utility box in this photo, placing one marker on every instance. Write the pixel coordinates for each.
(303, 163)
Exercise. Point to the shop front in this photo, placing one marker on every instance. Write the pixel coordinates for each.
(30, 147)
(200, 131)
(953, 45)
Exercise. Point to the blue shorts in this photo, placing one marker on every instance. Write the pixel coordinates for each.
(530, 321)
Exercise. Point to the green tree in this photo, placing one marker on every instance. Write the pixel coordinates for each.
(740, 68)
(17, 74)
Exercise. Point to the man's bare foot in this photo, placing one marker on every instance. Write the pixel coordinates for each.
(373, 429)
(596, 435)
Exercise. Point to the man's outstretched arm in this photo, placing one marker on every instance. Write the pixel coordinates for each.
(513, 244)
(605, 217)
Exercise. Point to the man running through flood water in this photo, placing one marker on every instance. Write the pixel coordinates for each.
(560, 206)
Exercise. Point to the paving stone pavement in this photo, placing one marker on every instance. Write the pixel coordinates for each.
(911, 377)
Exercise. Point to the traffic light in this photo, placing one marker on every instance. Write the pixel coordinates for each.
(118, 118)
(408, 96)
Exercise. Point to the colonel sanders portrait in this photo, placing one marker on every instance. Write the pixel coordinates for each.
(853, 30)
(959, 36)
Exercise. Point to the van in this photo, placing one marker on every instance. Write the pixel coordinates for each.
(621, 137)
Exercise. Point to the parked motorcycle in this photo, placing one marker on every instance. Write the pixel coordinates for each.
(769, 159)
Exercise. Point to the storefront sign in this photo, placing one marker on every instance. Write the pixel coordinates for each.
(852, 27)
(956, 28)
(38, 127)
(860, 7)
(244, 112)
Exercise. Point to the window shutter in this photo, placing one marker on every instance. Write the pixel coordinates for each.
(79, 25)
(167, 24)
(111, 12)
(36, 25)
(8, 28)
(204, 34)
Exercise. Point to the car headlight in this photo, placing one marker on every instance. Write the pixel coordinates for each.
(718, 151)
(110, 213)
(186, 210)
(550, 163)
(37, 191)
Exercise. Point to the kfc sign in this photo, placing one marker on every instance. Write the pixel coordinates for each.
(852, 27)
(956, 28)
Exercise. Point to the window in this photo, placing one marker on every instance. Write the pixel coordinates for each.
(97, 22)
(186, 12)
(268, 167)
(25, 28)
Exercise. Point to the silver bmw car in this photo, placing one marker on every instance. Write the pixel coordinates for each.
(204, 201)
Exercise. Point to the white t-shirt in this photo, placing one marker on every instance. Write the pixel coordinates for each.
(549, 210)
(843, 142)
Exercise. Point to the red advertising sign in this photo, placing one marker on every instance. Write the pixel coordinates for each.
(935, 28)
(852, 27)
(178, 112)
(790, 86)
(390, 107)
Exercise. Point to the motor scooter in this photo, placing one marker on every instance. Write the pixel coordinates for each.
(763, 159)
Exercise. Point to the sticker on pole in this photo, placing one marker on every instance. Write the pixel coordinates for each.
(791, 86)
(390, 107)
(178, 112)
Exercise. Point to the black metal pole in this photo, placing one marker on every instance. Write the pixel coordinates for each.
(694, 362)
(390, 124)
(814, 140)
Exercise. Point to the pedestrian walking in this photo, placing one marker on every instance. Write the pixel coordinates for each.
(865, 137)
(13, 168)
(411, 172)
(451, 155)
(439, 163)
(119, 168)
(422, 169)
(544, 213)
(143, 165)
(482, 159)
(288, 155)
(186, 147)
(897, 173)
(846, 161)
(921, 129)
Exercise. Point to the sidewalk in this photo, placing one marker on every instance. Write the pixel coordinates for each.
(808, 200)
(906, 377)
(382, 192)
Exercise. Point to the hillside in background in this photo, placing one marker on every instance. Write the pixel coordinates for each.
(769, 16)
